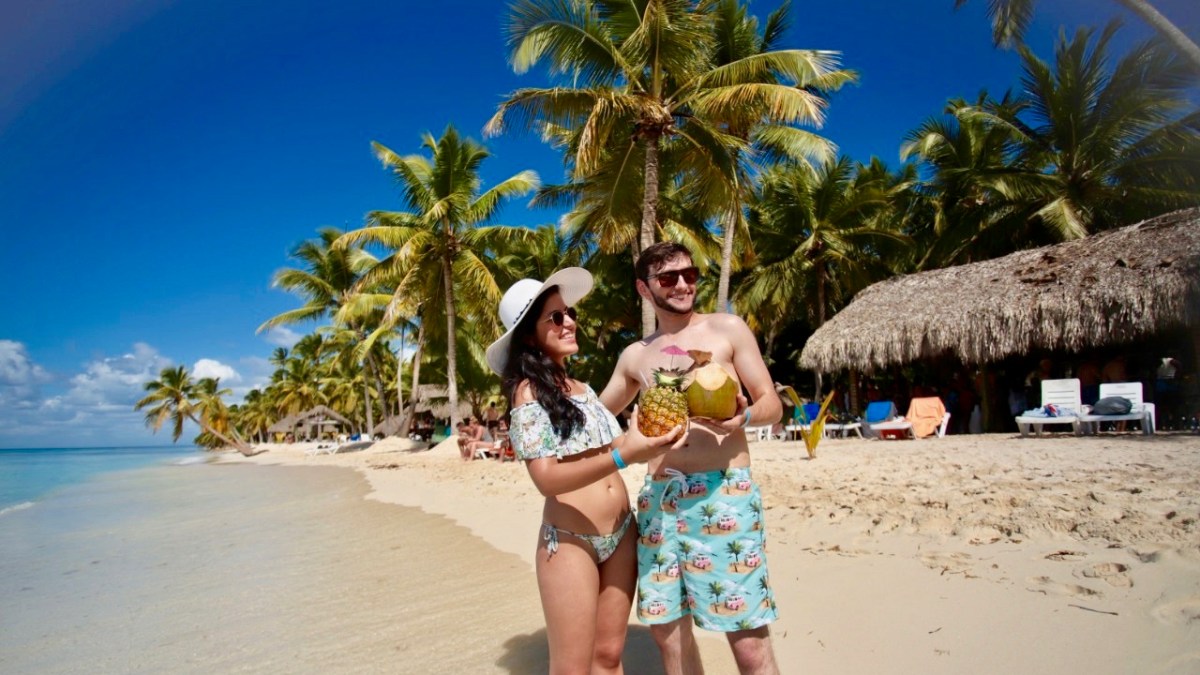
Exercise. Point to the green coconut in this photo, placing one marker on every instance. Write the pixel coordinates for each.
(711, 390)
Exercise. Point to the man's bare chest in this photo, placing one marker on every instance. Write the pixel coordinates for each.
(670, 352)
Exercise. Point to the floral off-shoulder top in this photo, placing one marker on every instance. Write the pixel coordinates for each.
(532, 435)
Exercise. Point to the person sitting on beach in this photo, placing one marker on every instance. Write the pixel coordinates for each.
(470, 435)
(573, 450)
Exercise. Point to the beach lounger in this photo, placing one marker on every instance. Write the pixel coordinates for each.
(926, 416)
(1064, 395)
(1141, 412)
(844, 430)
(799, 422)
(878, 412)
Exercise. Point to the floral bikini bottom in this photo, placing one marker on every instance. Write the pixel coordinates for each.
(603, 544)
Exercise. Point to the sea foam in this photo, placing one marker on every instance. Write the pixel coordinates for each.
(15, 507)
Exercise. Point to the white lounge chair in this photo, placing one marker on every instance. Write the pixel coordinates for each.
(1065, 395)
(843, 430)
(1141, 411)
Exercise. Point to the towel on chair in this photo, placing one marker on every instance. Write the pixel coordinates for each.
(926, 415)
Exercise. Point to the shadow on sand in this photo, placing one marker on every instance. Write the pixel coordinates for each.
(529, 653)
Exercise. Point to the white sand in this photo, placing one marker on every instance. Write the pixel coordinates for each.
(980, 554)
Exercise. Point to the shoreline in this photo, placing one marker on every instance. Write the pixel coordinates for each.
(959, 554)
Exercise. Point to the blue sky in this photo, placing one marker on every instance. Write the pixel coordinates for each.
(159, 159)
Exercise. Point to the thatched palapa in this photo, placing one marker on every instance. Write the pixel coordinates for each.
(435, 399)
(1108, 288)
(313, 417)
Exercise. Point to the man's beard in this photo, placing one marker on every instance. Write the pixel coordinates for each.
(661, 303)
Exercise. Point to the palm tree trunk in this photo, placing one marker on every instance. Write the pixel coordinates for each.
(731, 226)
(451, 346)
(1170, 31)
(367, 404)
(237, 443)
(820, 271)
(376, 375)
(416, 382)
(649, 220)
(400, 374)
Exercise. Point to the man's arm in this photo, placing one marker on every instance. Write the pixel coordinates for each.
(622, 387)
(752, 371)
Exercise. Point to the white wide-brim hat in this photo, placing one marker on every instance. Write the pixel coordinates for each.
(573, 283)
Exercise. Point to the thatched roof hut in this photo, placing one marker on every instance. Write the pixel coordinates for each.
(389, 426)
(313, 417)
(1108, 288)
(435, 398)
(283, 425)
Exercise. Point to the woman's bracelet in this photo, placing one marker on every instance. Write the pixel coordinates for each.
(747, 422)
(616, 455)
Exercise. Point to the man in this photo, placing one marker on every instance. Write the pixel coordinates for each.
(699, 514)
(491, 418)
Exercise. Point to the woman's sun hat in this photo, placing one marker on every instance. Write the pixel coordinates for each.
(573, 283)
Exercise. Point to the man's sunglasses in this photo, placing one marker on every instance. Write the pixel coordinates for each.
(557, 316)
(669, 279)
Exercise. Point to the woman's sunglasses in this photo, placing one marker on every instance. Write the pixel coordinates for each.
(557, 316)
(669, 279)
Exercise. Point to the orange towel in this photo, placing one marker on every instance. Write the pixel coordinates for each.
(926, 415)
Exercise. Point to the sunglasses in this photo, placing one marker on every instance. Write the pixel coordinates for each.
(556, 317)
(669, 279)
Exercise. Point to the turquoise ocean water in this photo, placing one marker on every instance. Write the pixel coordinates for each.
(32, 474)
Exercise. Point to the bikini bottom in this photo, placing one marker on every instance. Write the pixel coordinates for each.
(603, 544)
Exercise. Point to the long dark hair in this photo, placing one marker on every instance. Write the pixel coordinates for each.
(527, 361)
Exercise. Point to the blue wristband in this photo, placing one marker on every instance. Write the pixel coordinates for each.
(747, 422)
(616, 455)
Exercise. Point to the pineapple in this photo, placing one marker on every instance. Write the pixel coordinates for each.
(664, 406)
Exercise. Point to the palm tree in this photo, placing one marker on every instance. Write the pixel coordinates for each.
(737, 38)
(327, 281)
(1011, 18)
(300, 386)
(1099, 147)
(436, 249)
(972, 210)
(815, 232)
(254, 415)
(636, 73)
(176, 397)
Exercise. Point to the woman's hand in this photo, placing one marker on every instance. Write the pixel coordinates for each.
(641, 448)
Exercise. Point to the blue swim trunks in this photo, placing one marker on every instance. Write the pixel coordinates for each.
(701, 551)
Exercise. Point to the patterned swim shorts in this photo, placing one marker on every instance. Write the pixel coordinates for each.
(701, 551)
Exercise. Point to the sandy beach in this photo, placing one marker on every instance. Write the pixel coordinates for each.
(982, 554)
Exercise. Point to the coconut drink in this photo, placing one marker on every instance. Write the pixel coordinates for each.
(711, 390)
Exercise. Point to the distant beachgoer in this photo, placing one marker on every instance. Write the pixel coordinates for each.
(1166, 391)
(573, 449)
(1033, 381)
(491, 417)
(1089, 381)
(470, 435)
(1114, 370)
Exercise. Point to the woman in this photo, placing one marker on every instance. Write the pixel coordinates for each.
(573, 450)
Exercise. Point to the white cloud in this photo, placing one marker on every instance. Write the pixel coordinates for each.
(211, 368)
(93, 407)
(20, 377)
(116, 381)
(282, 336)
